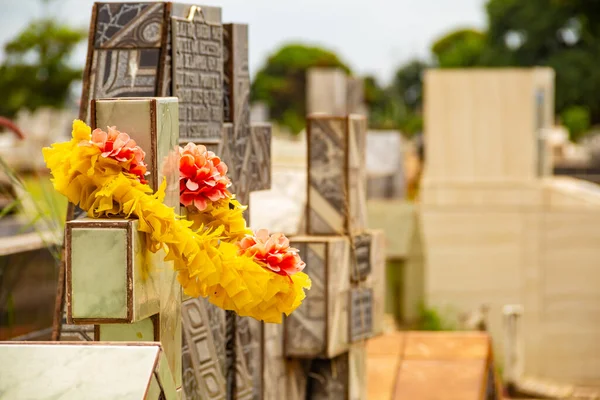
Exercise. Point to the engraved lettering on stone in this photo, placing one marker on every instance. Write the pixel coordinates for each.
(198, 78)
(361, 314)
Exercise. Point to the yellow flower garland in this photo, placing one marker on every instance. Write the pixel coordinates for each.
(207, 264)
(225, 213)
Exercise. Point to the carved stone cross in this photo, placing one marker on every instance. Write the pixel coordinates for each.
(113, 280)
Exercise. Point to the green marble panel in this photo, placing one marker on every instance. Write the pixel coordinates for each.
(99, 273)
(170, 319)
(165, 377)
(99, 256)
(154, 390)
(133, 117)
(137, 117)
(140, 331)
(167, 131)
(146, 282)
(54, 371)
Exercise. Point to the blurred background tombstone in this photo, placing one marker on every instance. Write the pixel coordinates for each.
(385, 172)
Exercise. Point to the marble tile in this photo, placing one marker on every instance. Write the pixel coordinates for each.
(113, 275)
(98, 273)
(141, 331)
(54, 371)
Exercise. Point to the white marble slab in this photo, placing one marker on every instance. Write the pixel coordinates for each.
(384, 153)
(75, 372)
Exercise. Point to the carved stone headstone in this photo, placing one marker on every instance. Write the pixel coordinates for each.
(198, 78)
(319, 327)
(336, 175)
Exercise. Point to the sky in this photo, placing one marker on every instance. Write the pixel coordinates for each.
(372, 36)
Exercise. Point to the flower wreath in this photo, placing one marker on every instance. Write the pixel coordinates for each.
(214, 253)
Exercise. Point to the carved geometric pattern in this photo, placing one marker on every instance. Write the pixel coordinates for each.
(123, 25)
(248, 359)
(236, 107)
(230, 351)
(328, 379)
(337, 177)
(361, 314)
(319, 327)
(202, 372)
(259, 168)
(197, 52)
(125, 73)
(305, 327)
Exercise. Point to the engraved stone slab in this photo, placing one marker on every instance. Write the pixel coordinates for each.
(203, 351)
(361, 314)
(341, 378)
(336, 174)
(129, 25)
(236, 81)
(237, 143)
(124, 73)
(76, 333)
(362, 257)
(260, 162)
(319, 327)
(198, 78)
(248, 359)
(182, 10)
(324, 383)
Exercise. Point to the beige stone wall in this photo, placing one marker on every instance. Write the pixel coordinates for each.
(495, 232)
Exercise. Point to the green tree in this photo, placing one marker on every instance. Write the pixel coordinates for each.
(562, 34)
(386, 108)
(577, 120)
(35, 72)
(281, 83)
(408, 86)
(460, 48)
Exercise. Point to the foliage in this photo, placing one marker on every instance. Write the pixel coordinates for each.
(408, 84)
(281, 83)
(431, 319)
(577, 120)
(386, 109)
(460, 48)
(35, 72)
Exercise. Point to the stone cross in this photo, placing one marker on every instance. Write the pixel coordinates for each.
(113, 281)
(164, 49)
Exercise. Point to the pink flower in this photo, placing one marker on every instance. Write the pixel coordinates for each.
(273, 251)
(119, 146)
(202, 177)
